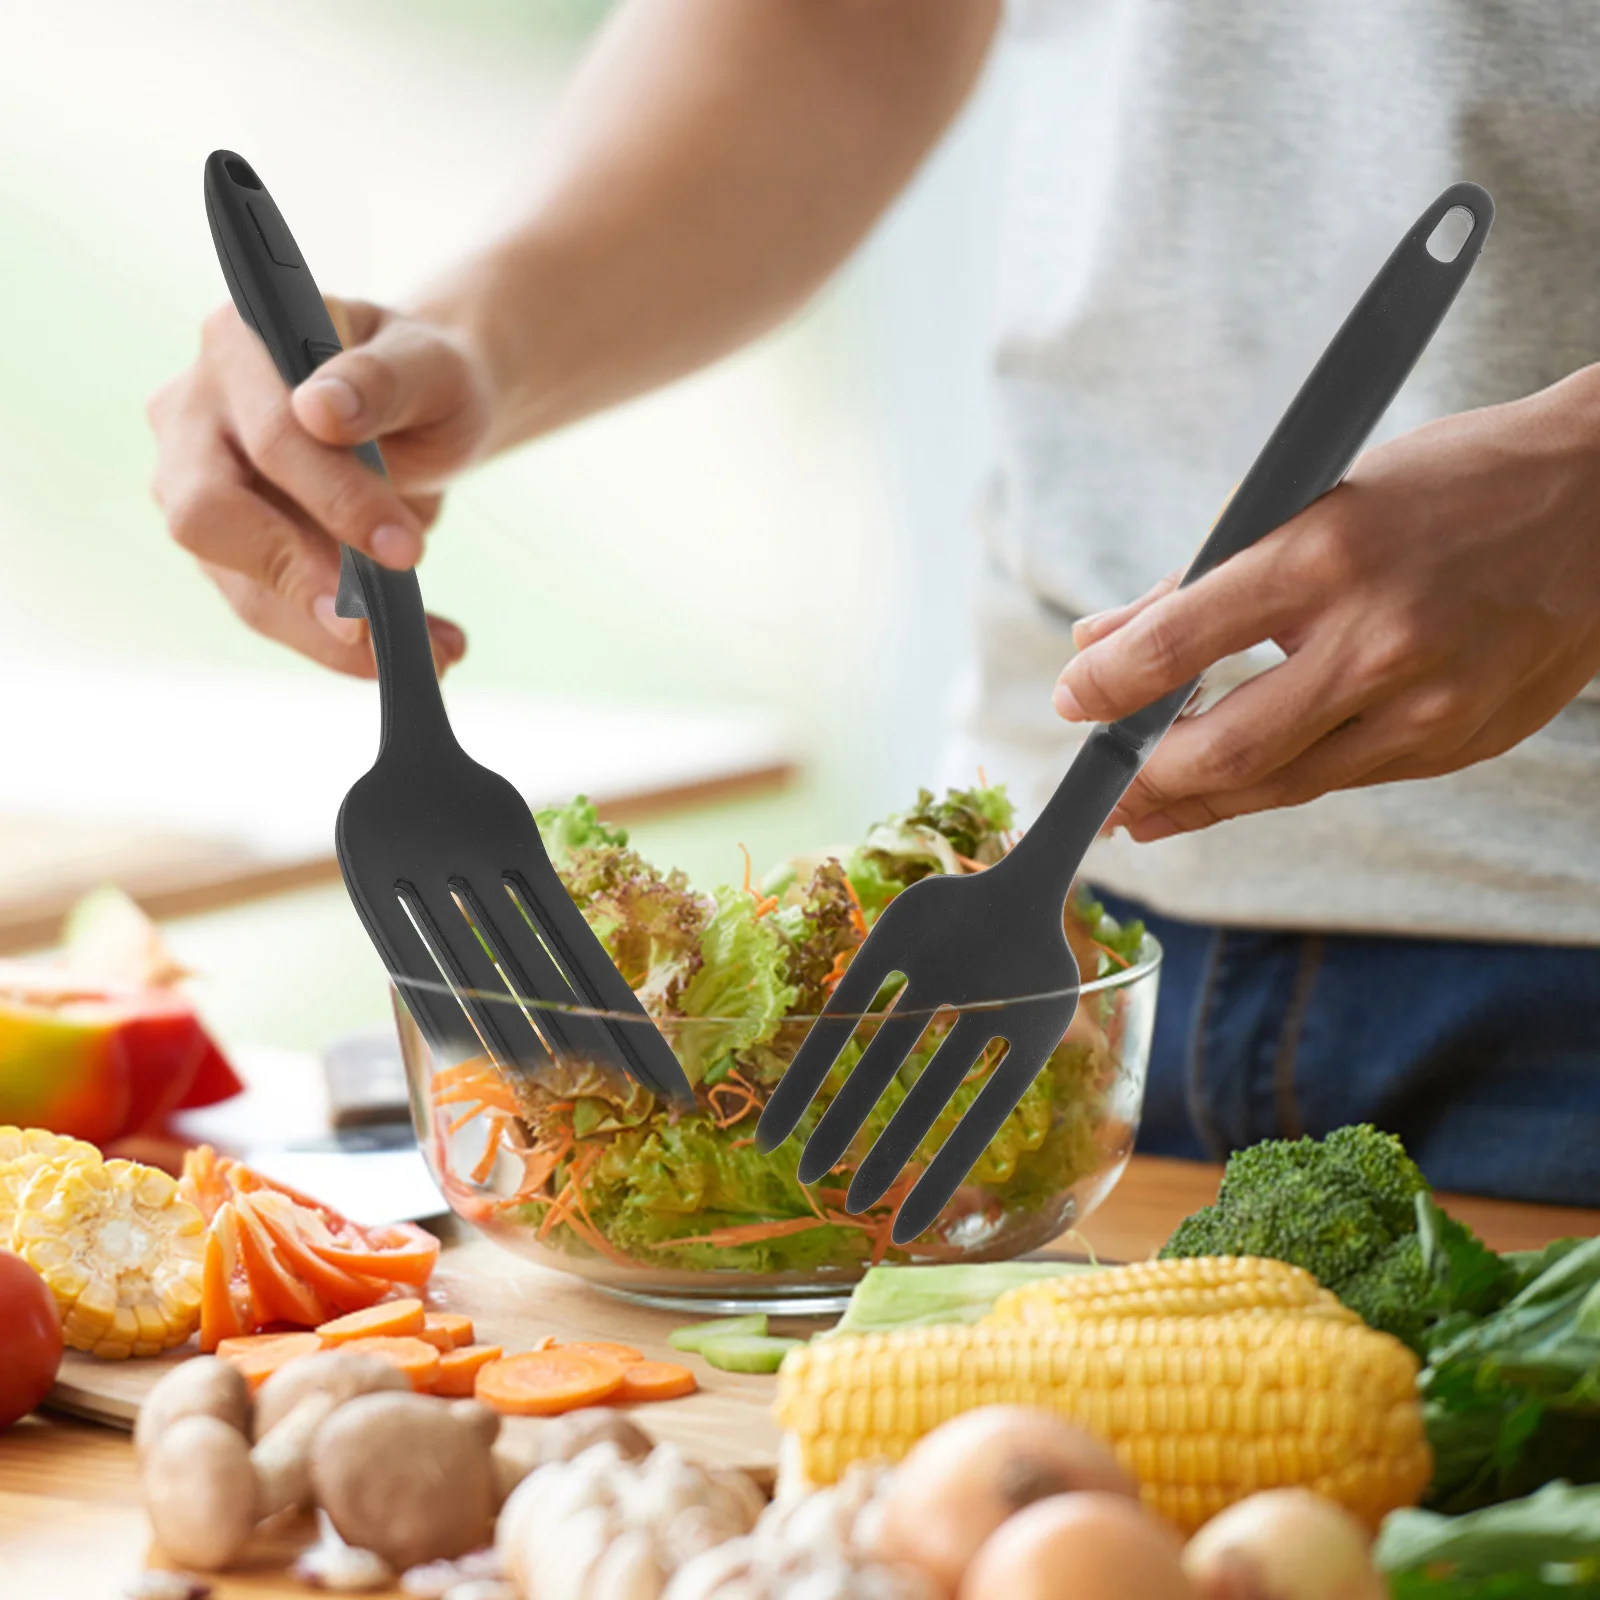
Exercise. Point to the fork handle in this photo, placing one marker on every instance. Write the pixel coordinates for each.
(275, 294)
(1310, 450)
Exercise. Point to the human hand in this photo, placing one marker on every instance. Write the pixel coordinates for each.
(260, 487)
(1435, 609)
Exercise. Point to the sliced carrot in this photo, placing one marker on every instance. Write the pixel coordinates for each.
(624, 1354)
(390, 1319)
(418, 1361)
(259, 1355)
(220, 1313)
(459, 1368)
(655, 1380)
(446, 1330)
(543, 1383)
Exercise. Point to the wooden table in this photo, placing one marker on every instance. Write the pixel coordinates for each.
(70, 1522)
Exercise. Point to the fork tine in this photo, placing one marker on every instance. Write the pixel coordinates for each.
(818, 1051)
(452, 944)
(528, 970)
(970, 1138)
(920, 1109)
(895, 1039)
(637, 1046)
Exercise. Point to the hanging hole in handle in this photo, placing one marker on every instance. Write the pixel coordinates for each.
(241, 174)
(1452, 231)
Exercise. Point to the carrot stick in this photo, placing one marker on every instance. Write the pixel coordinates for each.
(491, 1149)
(745, 1233)
(655, 1380)
(624, 1354)
(458, 1369)
(446, 1331)
(544, 1383)
(259, 1355)
(387, 1319)
(418, 1360)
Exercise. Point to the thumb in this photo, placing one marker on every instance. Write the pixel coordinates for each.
(408, 377)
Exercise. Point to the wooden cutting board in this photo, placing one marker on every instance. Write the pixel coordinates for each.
(515, 1303)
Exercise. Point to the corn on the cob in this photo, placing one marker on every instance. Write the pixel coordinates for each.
(22, 1152)
(120, 1250)
(1195, 1286)
(1201, 1410)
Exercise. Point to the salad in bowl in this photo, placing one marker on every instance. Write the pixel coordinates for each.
(584, 1169)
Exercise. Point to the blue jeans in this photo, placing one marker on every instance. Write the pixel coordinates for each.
(1484, 1058)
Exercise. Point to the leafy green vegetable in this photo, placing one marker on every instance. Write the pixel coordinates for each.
(913, 1297)
(730, 979)
(575, 826)
(740, 986)
(1546, 1544)
(1513, 1399)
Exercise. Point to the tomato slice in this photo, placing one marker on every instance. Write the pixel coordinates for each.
(400, 1253)
(225, 1307)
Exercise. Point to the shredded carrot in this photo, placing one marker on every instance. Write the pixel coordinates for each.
(741, 1144)
(746, 854)
(497, 1097)
(1121, 961)
(858, 917)
(491, 1150)
(745, 1233)
(968, 862)
(983, 781)
(395, 1318)
(837, 971)
(655, 1380)
(461, 1072)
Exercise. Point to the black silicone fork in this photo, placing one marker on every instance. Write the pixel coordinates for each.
(441, 856)
(972, 943)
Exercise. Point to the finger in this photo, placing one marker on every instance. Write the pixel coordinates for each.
(213, 514)
(1253, 731)
(408, 386)
(1251, 597)
(338, 494)
(280, 619)
(1421, 733)
(1086, 630)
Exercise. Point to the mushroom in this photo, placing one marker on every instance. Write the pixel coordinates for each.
(407, 1476)
(205, 1387)
(754, 1568)
(344, 1374)
(200, 1491)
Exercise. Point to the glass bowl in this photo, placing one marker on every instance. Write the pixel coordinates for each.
(577, 1168)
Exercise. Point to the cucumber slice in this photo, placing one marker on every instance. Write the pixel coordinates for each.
(693, 1337)
(748, 1352)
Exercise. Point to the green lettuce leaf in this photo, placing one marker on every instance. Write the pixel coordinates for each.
(575, 826)
(916, 1297)
(741, 982)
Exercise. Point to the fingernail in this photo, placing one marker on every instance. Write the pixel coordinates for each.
(336, 395)
(396, 547)
(1087, 627)
(1066, 704)
(345, 629)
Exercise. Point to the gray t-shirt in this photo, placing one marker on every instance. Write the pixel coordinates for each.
(1197, 190)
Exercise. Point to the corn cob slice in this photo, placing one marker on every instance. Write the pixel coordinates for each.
(1193, 1287)
(22, 1152)
(1201, 1410)
(121, 1251)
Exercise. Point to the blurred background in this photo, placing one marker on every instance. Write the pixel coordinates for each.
(785, 537)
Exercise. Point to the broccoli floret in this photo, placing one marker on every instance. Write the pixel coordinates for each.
(1338, 1207)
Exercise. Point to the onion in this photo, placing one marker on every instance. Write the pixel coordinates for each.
(1079, 1547)
(964, 1479)
(1284, 1544)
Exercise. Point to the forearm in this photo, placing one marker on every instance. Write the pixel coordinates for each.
(713, 162)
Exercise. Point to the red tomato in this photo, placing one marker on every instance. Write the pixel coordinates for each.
(30, 1339)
